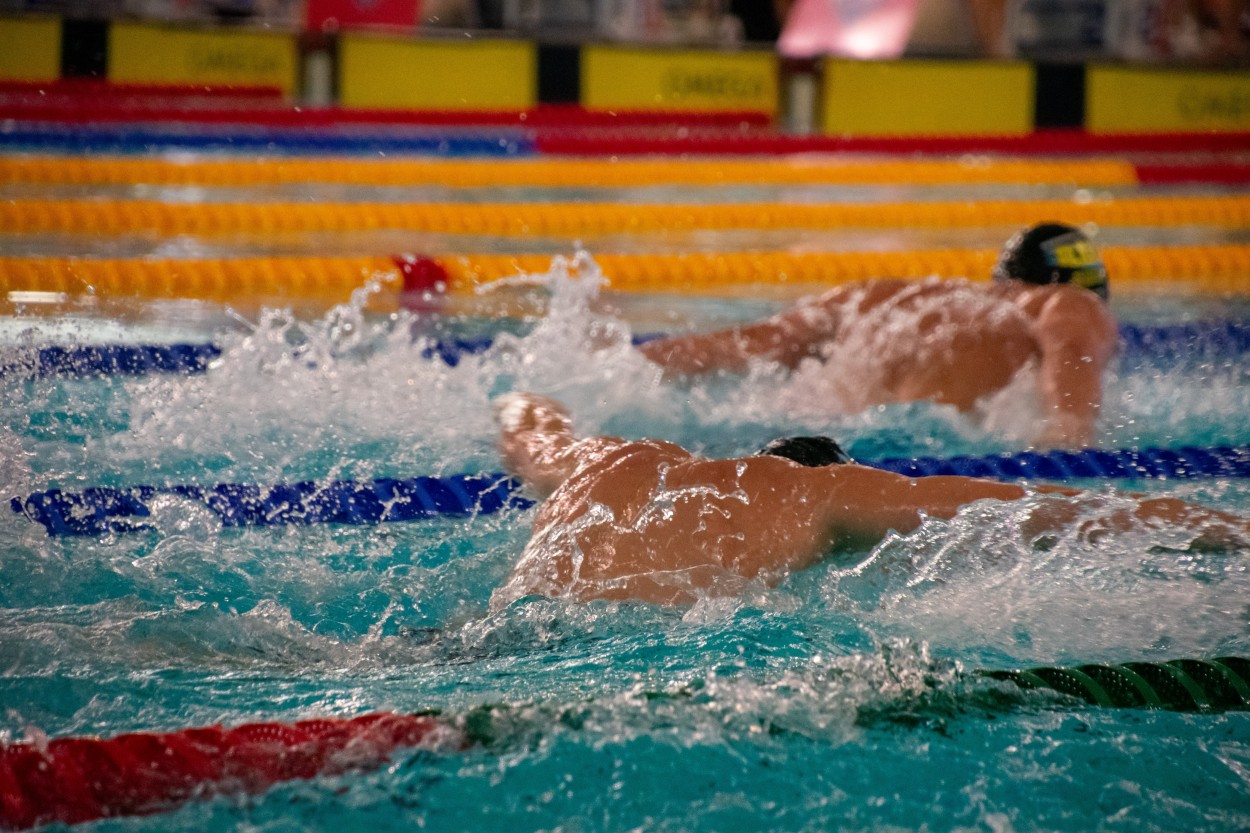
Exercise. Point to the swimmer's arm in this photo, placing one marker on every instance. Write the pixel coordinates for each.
(899, 503)
(785, 338)
(873, 504)
(536, 440)
(877, 502)
(1077, 338)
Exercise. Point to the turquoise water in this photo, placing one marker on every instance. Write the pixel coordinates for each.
(841, 699)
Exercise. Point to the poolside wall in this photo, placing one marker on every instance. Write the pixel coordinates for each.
(832, 97)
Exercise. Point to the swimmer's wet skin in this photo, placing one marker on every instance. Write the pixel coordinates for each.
(947, 341)
(649, 520)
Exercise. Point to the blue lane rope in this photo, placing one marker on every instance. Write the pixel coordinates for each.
(110, 360)
(1186, 462)
(100, 510)
(1171, 341)
(131, 140)
(189, 359)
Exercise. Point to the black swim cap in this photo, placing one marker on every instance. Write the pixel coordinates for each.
(1052, 253)
(807, 451)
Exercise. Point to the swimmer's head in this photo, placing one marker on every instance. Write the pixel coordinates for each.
(807, 451)
(1052, 253)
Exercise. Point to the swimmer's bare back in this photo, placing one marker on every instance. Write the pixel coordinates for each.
(650, 521)
(946, 341)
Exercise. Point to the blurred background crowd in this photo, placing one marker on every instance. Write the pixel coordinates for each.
(1170, 31)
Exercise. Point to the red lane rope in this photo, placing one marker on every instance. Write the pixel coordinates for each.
(1224, 173)
(1054, 142)
(72, 780)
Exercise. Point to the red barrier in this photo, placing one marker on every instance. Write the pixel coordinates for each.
(597, 142)
(73, 780)
(97, 88)
(73, 108)
(570, 129)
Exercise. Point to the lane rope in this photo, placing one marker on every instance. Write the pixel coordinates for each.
(208, 279)
(102, 510)
(596, 133)
(77, 779)
(1223, 268)
(560, 172)
(1169, 341)
(581, 220)
(137, 139)
(1184, 685)
(99, 510)
(70, 780)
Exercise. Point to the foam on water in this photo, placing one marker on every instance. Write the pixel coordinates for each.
(811, 705)
(1089, 592)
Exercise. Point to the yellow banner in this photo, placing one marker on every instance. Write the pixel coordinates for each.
(32, 49)
(462, 75)
(663, 79)
(1132, 100)
(927, 98)
(148, 54)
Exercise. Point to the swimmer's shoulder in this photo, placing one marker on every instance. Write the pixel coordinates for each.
(1062, 299)
(862, 293)
(886, 293)
(825, 481)
(1069, 311)
(600, 452)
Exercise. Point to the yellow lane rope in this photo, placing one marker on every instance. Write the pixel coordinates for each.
(1217, 269)
(563, 172)
(578, 220)
(329, 278)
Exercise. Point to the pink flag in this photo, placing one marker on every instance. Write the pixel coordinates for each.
(847, 28)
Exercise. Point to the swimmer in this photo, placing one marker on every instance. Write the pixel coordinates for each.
(953, 342)
(648, 520)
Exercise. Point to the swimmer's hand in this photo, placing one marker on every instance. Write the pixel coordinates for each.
(535, 432)
(1212, 530)
(522, 412)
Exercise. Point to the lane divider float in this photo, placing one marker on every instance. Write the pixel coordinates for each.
(1223, 268)
(570, 132)
(582, 220)
(103, 510)
(77, 779)
(1169, 341)
(208, 279)
(544, 172)
(45, 137)
(679, 140)
(1185, 685)
(69, 780)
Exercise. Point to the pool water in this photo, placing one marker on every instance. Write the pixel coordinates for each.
(841, 699)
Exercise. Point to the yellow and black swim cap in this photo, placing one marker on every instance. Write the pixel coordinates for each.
(807, 451)
(1053, 253)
